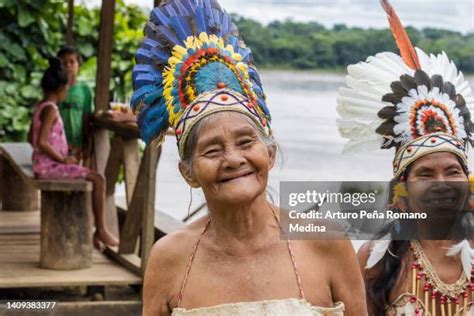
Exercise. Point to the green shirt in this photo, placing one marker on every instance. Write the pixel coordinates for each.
(78, 103)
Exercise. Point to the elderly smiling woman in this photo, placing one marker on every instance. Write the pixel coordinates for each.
(194, 74)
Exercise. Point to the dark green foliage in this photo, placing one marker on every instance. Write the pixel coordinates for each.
(32, 30)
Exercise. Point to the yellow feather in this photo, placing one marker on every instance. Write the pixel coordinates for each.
(230, 49)
(399, 191)
(471, 183)
(168, 80)
(167, 94)
(189, 42)
(179, 51)
(221, 42)
(237, 57)
(203, 37)
(213, 38)
(173, 61)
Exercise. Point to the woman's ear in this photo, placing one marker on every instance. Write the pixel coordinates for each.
(272, 153)
(188, 175)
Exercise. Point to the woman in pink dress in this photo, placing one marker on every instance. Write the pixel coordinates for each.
(50, 148)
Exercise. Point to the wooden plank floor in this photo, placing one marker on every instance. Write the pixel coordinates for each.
(19, 259)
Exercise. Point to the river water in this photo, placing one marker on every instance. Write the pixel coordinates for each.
(303, 107)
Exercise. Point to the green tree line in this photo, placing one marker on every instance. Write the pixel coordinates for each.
(310, 45)
(31, 31)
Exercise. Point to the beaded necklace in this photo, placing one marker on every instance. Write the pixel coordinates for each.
(446, 296)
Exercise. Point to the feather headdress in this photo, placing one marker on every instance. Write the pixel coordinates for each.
(415, 102)
(191, 53)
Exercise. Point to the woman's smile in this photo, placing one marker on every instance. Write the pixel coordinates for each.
(236, 176)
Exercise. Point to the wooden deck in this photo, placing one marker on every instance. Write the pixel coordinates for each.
(19, 259)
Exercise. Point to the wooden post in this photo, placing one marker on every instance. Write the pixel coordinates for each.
(111, 172)
(15, 193)
(66, 236)
(102, 97)
(131, 163)
(70, 23)
(139, 203)
(152, 155)
(104, 58)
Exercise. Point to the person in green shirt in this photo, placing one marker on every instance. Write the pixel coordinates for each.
(77, 108)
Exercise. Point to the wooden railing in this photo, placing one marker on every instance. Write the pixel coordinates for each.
(137, 233)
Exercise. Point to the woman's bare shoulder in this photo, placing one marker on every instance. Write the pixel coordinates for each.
(166, 268)
(175, 248)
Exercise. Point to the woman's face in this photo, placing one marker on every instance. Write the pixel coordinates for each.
(437, 184)
(230, 161)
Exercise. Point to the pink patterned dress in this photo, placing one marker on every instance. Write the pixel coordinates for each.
(44, 166)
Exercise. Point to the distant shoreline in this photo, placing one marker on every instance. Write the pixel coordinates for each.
(335, 70)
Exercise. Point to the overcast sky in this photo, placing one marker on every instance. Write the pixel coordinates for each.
(447, 14)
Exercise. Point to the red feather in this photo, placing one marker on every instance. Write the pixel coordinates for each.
(404, 44)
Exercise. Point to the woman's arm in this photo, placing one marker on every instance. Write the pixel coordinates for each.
(363, 256)
(162, 271)
(47, 116)
(347, 284)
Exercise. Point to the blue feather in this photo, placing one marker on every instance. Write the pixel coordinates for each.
(160, 55)
(158, 17)
(152, 122)
(211, 74)
(216, 19)
(224, 24)
(153, 96)
(181, 9)
(148, 43)
(139, 94)
(168, 34)
(234, 41)
(170, 10)
(141, 68)
(209, 17)
(143, 56)
(190, 6)
(244, 52)
(145, 79)
(201, 21)
(182, 27)
(257, 89)
(253, 74)
(149, 130)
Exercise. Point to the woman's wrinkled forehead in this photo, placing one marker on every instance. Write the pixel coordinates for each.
(221, 126)
(439, 160)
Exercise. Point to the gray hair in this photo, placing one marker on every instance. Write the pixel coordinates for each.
(191, 142)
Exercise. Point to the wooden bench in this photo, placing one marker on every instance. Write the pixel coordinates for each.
(66, 238)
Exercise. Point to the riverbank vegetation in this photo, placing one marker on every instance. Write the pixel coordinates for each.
(31, 31)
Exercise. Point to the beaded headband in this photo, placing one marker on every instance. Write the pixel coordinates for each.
(213, 102)
(424, 145)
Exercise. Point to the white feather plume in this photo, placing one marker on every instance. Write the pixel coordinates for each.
(379, 248)
(358, 104)
(441, 65)
(407, 309)
(467, 255)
